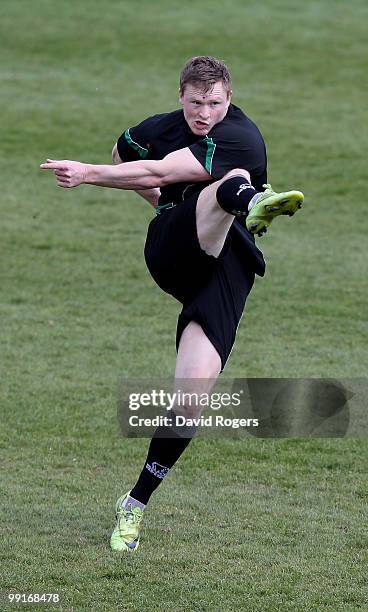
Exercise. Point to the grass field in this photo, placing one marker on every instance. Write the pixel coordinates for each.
(262, 525)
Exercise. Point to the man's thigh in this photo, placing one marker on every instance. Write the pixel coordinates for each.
(197, 357)
(218, 306)
(173, 254)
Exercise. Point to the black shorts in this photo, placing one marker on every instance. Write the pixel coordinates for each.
(212, 290)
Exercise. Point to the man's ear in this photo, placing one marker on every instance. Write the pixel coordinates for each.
(181, 96)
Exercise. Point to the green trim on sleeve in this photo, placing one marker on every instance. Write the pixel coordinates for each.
(209, 155)
(142, 152)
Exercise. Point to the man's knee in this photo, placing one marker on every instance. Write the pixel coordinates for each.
(235, 192)
(237, 172)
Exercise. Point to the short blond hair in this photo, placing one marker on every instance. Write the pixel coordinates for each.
(205, 71)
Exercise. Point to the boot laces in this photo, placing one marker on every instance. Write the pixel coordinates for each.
(130, 514)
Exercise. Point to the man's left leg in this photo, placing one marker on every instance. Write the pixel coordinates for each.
(198, 365)
(234, 196)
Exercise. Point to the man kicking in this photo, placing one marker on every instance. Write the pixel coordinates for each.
(204, 169)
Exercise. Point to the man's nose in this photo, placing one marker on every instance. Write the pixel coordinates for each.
(204, 112)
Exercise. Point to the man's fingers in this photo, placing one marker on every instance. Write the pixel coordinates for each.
(61, 177)
(62, 183)
(51, 164)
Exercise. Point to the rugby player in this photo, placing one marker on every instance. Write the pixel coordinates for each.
(204, 169)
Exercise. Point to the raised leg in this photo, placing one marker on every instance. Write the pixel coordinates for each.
(213, 223)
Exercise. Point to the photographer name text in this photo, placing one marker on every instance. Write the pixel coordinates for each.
(181, 421)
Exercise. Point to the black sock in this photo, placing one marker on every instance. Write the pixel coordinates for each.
(167, 445)
(234, 195)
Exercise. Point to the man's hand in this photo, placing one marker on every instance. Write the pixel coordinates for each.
(68, 173)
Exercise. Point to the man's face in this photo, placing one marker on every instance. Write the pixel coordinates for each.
(202, 110)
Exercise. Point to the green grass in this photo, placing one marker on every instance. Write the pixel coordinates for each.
(255, 525)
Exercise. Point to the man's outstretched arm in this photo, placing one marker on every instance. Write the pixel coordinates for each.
(179, 166)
